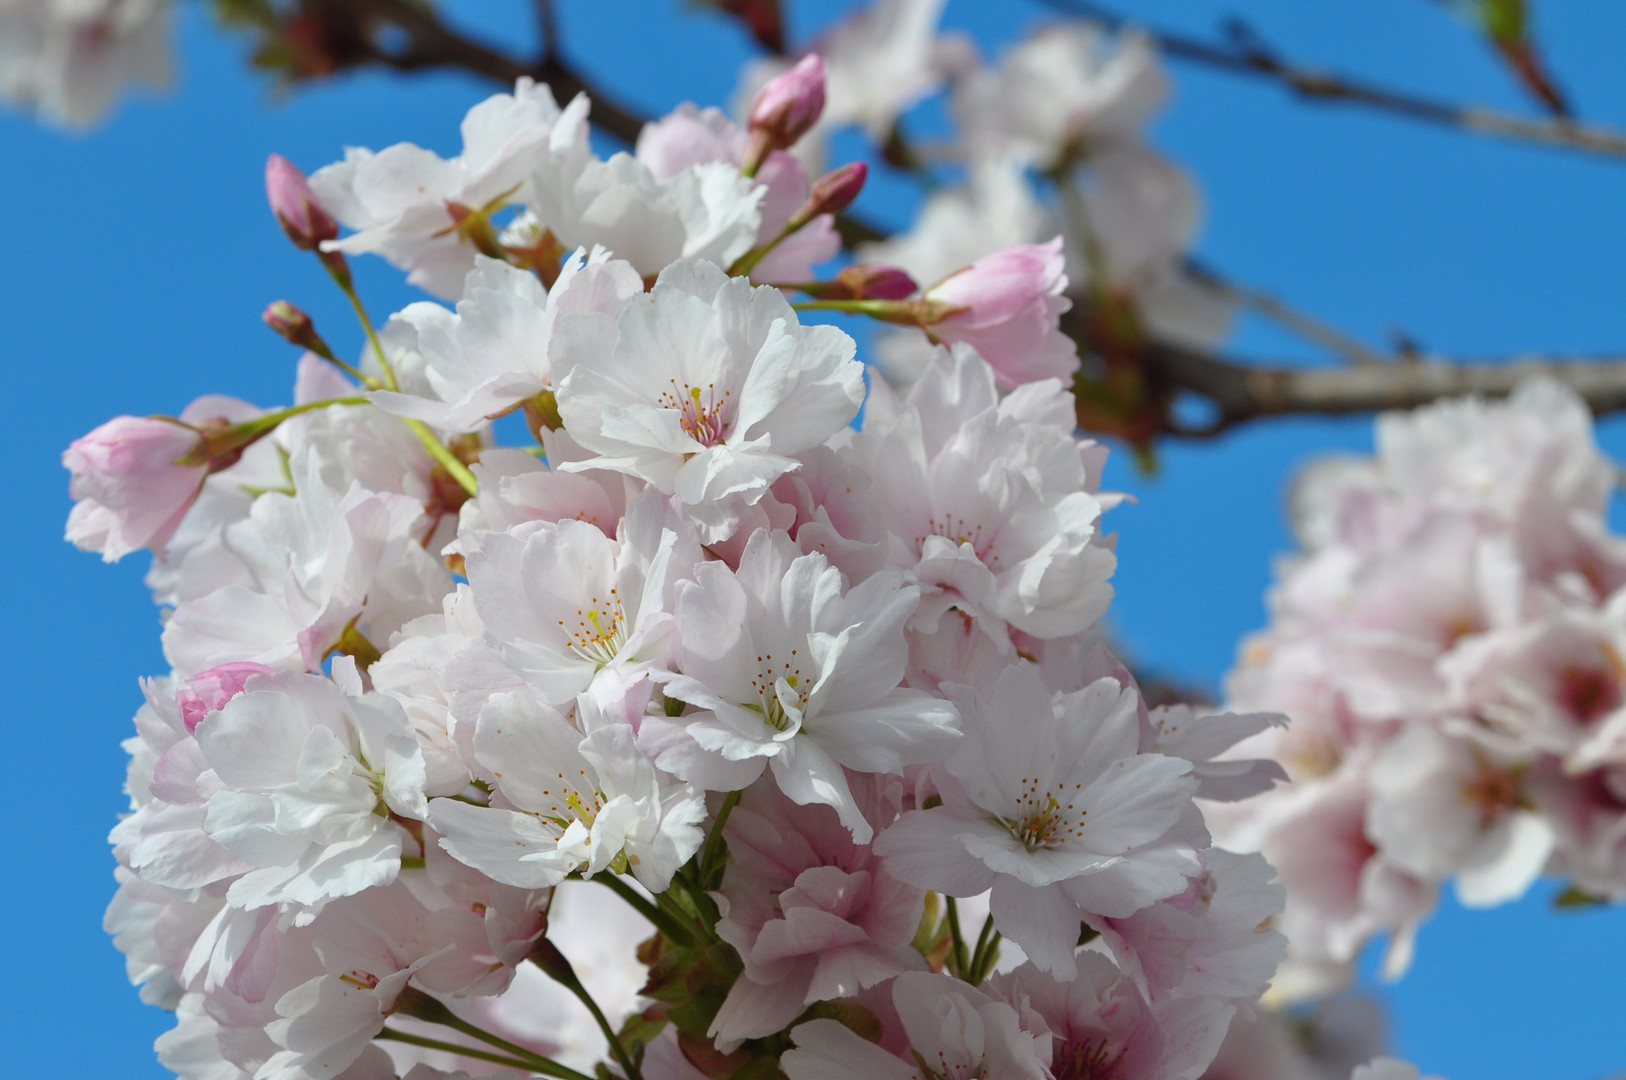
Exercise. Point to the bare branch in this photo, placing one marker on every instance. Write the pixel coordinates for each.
(1286, 316)
(1244, 392)
(547, 27)
(430, 43)
(1321, 86)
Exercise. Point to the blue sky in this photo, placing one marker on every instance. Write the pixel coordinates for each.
(137, 261)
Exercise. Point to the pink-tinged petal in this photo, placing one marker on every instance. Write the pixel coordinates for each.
(827, 1050)
(1043, 921)
(927, 848)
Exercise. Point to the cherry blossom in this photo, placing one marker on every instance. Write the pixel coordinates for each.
(704, 388)
(789, 669)
(398, 199)
(1049, 803)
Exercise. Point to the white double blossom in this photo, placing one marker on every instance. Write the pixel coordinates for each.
(696, 735)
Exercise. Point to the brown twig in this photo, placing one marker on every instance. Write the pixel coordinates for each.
(1321, 86)
(430, 43)
(1241, 393)
(1289, 318)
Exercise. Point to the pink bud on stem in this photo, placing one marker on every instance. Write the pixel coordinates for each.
(832, 193)
(295, 327)
(296, 207)
(785, 110)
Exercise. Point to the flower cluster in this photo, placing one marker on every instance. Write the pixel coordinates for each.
(1067, 105)
(1449, 644)
(706, 733)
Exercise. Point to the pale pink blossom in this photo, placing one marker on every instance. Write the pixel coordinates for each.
(491, 355)
(960, 1031)
(689, 137)
(303, 765)
(1049, 803)
(1100, 1025)
(134, 479)
(68, 59)
(1007, 305)
(814, 916)
(398, 199)
(790, 670)
(569, 803)
(313, 565)
(572, 610)
(989, 503)
(704, 388)
(1065, 90)
(209, 691)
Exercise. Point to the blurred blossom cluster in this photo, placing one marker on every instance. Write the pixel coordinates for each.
(1448, 643)
(69, 59)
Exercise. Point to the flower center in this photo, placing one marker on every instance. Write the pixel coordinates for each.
(956, 529)
(600, 629)
(1042, 820)
(701, 413)
(1587, 693)
(1495, 792)
(1086, 1061)
(769, 672)
(571, 801)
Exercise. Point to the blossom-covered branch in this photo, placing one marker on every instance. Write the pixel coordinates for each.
(1239, 392)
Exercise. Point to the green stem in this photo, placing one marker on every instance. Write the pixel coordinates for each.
(961, 964)
(320, 348)
(354, 372)
(262, 424)
(547, 956)
(714, 842)
(424, 1007)
(886, 310)
(437, 449)
(658, 917)
(443, 456)
(223, 444)
(530, 1063)
(669, 904)
(985, 954)
(923, 313)
(748, 262)
(348, 287)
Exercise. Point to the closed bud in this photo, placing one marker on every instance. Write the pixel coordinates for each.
(295, 205)
(785, 110)
(295, 327)
(833, 192)
(790, 104)
(869, 282)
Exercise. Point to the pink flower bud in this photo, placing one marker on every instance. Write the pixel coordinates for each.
(870, 282)
(209, 691)
(131, 487)
(833, 192)
(1008, 307)
(295, 205)
(790, 103)
(295, 327)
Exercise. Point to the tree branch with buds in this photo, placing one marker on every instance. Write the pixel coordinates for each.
(1252, 59)
(354, 32)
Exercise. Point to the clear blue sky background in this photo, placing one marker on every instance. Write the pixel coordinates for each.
(136, 262)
